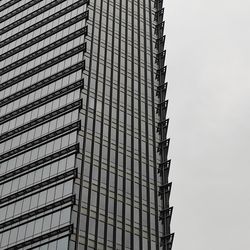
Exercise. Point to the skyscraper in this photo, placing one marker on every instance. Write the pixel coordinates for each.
(83, 146)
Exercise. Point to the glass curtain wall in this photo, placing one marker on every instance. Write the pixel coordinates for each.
(123, 192)
(42, 44)
(83, 146)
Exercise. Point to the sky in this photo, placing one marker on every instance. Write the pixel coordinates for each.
(208, 58)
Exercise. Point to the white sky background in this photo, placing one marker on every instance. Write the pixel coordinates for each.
(208, 58)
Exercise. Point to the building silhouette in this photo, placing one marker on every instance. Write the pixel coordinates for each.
(83, 129)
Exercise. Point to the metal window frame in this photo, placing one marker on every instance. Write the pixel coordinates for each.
(165, 189)
(18, 10)
(40, 141)
(160, 74)
(42, 101)
(159, 15)
(158, 4)
(27, 17)
(159, 28)
(43, 66)
(42, 51)
(69, 174)
(159, 44)
(50, 240)
(70, 199)
(164, 166)
(167, 241)
(41, 120)
(59, 231)
(164, 144)
(8, 4)
(162, 107)
(163, 123)
(46, 187)
(162, 89)
(46, 34)
(160, 58)
(42, 83)
(66, 152)
(166, 213)
(43, 22)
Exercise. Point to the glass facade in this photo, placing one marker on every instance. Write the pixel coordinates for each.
(83, 129)
(42, 49)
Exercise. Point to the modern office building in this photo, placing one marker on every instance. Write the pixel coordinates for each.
(83, 129)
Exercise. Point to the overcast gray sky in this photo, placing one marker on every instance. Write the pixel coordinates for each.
(209, 91)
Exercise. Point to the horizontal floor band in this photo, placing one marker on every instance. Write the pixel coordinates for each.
(26, 17)
(39, 163)
(39, 216)
(42, 51)
(41, 120)
(46, 187)
(43, 66)
(59, 231)
(42, 23)
(45, 35)
(8, 4)
(19, 10)
(40, 141)
(42, 101)
(70, 199)
(42, 83)
(71, 173)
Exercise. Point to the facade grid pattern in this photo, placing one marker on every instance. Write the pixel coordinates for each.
(83, 129)
(41, 65)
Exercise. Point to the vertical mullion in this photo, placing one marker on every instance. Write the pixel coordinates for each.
(146, 121)
(132, 122)
(139, 127)
(117, 129)
(124, 162)
(110, 125)
(94, 136)
(102, 122)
